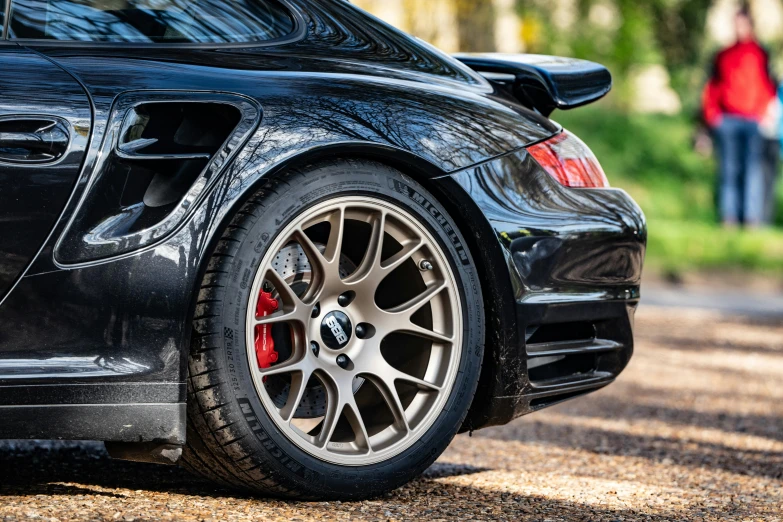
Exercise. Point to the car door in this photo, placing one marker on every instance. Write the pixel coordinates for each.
(45, 120)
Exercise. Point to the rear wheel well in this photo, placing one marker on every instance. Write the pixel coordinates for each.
(478, 233)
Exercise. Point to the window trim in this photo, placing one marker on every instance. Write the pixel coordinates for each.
(6, 19)
(298, 33)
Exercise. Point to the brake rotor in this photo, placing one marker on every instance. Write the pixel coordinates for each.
(292, 264)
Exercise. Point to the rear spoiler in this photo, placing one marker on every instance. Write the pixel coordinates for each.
(544, 82)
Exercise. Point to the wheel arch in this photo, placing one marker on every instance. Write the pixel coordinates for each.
(482, 242)
(398, 158)
(404, 161)
(494, 269)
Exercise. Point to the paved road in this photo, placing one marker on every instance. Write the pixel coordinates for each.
(693, 430)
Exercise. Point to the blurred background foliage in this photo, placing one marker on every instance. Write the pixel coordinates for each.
(659, 53)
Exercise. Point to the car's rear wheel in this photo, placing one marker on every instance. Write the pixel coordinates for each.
(338, 337)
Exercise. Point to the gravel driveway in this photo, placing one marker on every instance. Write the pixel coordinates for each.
(693, 430)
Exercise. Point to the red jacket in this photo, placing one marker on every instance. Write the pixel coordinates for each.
(740, 84)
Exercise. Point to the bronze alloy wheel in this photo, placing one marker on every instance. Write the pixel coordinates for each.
(372, 357)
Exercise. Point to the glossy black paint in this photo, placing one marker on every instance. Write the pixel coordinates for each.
(109, 324)
(566, 255)
(546, 82)
(33, 194)
(102, 227)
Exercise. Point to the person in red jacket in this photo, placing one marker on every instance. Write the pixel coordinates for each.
(736, 100)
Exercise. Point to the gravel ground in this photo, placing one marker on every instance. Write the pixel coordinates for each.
(693, 430)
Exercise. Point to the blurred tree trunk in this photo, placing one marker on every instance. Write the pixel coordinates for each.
(680, 30)
(476, 25)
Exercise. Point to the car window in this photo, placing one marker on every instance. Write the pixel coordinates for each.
(150, 21)
(2, 18)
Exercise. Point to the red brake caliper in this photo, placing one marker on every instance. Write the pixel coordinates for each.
(265, 345)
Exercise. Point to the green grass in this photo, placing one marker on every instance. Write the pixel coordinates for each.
(651, 156)
(682, 246)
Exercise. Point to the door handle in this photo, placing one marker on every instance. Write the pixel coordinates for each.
(33, 140)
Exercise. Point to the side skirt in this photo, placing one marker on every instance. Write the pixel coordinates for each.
(149, 422)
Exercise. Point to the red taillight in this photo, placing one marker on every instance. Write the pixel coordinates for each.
(567, 159)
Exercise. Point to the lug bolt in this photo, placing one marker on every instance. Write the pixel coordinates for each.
(346, 299)
(343, 361)
(361, 331)
(365, 331)
(425, 265)
(315, 348)
(316, 310)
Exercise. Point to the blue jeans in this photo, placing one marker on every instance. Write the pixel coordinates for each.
(740, 147)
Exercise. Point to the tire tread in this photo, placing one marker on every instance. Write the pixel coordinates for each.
(204, 454)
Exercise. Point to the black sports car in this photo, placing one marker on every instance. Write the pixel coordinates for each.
(291, 248)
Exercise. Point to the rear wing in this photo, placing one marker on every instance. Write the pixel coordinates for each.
(543, 82)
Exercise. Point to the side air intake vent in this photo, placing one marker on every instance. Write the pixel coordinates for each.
(163, 147)
(160, 154)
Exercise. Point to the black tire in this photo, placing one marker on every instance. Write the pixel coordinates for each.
(231, 438)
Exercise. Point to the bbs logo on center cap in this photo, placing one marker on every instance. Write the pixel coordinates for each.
(336, 330)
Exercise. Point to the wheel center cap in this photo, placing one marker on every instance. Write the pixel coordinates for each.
(336, 330)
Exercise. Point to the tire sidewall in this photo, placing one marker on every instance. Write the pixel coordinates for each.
(290, 197)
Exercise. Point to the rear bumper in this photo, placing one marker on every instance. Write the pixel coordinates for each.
(573, 264)
(567, 349)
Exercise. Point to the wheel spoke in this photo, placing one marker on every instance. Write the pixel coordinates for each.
(281, 316)
(380, 367)
(410, 307)
(431, 335)
(293, 310)
(296, 393)
(389, 393)
(354, 417)
(287, 295)
(420, 383)
(335, 241)
(403, 255)
(372, 257)
(320, 266)
(334, 409)
(279, 369)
